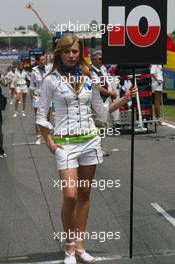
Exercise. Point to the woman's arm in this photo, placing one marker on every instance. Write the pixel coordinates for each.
(105, 91)
(3, 80)
(155, 78)
(101, 110)
(123, 100)
(48, 139)
(47, 91)
(117, 104)
(153, 72)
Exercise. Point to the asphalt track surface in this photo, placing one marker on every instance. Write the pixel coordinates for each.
(30, 204)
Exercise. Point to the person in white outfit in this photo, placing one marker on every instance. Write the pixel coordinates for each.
(36, 79)
(10, 77)
(157, 88)
(20, 81)
(9, 68)
(104, 86)
(76, 143)
(100, 71)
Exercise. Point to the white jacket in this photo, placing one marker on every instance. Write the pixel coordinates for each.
(20, 78)
(10, 77)
(36, 79)
(73, 113)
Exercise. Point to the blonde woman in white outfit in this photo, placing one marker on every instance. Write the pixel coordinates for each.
(75, 144)
(21, 88)
(36, 80)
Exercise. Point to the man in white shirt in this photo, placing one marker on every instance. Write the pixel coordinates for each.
(104, 85)
(36, 80)
(157, 88)
(100, 71)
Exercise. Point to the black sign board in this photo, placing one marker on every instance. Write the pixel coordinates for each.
(135, 31)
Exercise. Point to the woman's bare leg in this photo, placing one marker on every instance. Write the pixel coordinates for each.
(85, 174)
(24, 97)
(17, 101)
(76, 200)
(37, 129)
(157, 103)
(69, 202)
(49, 115)
(12, 91)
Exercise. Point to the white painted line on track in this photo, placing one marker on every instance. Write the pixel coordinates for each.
(168, 125)
(115, 150)
(45, 262)
(164, 213)
(108, 258)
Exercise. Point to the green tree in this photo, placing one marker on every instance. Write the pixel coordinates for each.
(44, 35)
(93, 25)
(20, 28)
(45, 39)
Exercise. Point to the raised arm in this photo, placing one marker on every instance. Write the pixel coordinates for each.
(101, 110)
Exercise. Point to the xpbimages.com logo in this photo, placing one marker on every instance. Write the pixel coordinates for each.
(81, 27)
(102, 132)
(102, 80)
(80, 183)
(101, 236)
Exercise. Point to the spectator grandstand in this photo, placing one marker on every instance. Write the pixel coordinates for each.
(20, 40)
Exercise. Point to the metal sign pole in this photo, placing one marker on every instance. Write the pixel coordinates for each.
(132, 174)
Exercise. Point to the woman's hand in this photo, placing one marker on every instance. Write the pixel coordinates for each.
(53, 147)
(123, 100)
(48, 139)
(131, 93)
(34, 97)
(113, 94)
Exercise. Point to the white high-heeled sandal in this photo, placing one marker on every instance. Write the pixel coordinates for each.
(84, 257)
(70, 258)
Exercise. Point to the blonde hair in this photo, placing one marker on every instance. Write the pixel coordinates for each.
(65, 42)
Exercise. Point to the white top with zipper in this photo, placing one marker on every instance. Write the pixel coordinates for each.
(73, 112)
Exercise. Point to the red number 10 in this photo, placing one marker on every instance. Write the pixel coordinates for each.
(116, 34)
